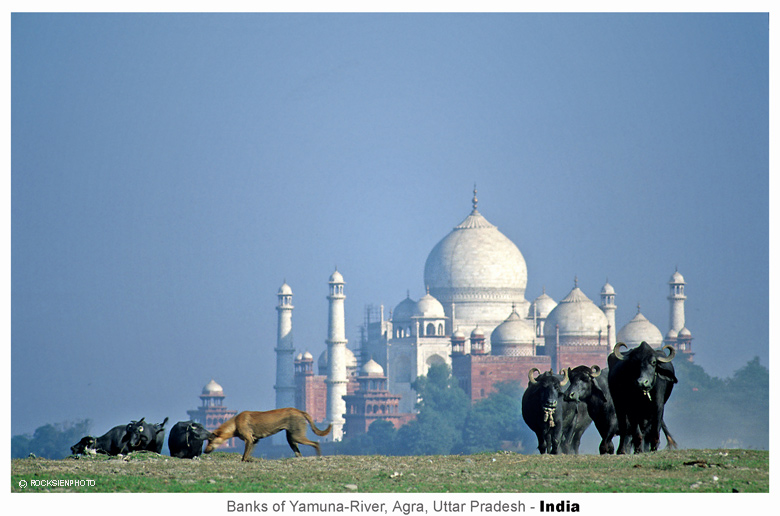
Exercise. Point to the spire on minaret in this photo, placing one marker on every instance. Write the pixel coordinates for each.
(575, 281)
(474, 200)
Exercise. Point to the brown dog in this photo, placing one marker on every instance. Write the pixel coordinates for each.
(251, 426)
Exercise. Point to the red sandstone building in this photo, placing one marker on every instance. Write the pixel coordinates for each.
(212, 413)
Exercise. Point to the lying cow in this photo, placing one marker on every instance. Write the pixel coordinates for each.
(542, 411)
(110, 443)
(251, 426)
(186, 439)
(640, 381)
(141, 435)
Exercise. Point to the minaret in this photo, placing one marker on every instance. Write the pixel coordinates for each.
(337, 360)
(676, 307)
(285, 367)
(608, 306)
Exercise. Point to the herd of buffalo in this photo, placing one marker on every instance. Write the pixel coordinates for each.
(627, 399)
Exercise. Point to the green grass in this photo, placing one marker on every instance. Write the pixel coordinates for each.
(681, 471)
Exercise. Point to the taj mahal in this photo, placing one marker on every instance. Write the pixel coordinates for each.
(474, 317)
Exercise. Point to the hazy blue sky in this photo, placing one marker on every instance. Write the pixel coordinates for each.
(169, 172)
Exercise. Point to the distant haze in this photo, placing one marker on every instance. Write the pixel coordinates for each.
(171, 171)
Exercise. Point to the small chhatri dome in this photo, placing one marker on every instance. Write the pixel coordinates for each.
(285, 290)
(458, 334)
(213, 389)
(607, 290)
(429, 307)
(336, 277)
(322, 361)
(576, 315)
(684, 333)
(514, 332)
(639, 330)
(477, 333)
(308, 356)
(299, 357)
(676, 278)
(371, 368)
(543, 305)
(405, 310)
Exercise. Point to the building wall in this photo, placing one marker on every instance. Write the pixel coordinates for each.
(478, 374)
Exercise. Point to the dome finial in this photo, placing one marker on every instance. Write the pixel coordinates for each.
(638, 308)
(474, 200)
(575, 281)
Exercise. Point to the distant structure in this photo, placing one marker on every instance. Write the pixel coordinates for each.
(285, 367)
(474, 318)
(678, 336)
(212, 412)
(372, 402)
(337, 357)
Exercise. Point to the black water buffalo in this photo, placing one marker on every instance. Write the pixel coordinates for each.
(542, 411)
(640, 382)
(141, 435)
(186, 439)
(110, 443)
(589, 385)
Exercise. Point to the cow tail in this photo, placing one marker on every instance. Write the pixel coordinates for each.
(314, 428)
(670, 442)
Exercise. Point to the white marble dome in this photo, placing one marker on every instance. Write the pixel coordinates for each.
(677, 278)
(639, 330)
(371, 368)
(476, 257)
(429, 307)
(543, 304)
(336, 277)
(477, 271)
(285, 290)
(576, 316)
(212, 389)
(513, 337)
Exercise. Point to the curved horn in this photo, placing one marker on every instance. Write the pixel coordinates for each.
(669, 357)
(565, 377)
(531, 379)
(616, 351)
(595, 371)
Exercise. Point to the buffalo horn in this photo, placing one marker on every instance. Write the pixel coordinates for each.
(565, 377)
(669, 357)
(595, 371)
(616, 351)
(531, 379)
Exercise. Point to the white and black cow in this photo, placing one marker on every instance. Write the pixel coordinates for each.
(110, 443)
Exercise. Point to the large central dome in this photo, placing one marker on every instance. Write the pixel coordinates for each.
(476, 260)
(479, 271)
